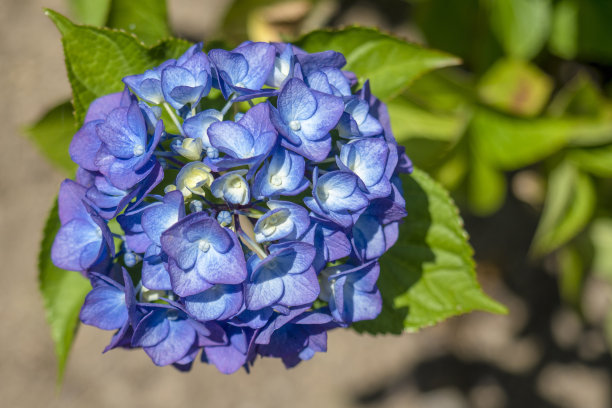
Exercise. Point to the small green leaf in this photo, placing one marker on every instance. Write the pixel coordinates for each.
(428, 275)
(98, 58)
(148, 19)
(389, 63)
(427, 136)
(486, 188)
(63, 293)
(595, 160)
(571, 269)
(570, 202)
(582, 30)
(516, 87)
(564, 35)
(91, 12)
(460, 27)
(510, 143)
(600, 235)
(522, 26)
(53, 133)
(579, 97)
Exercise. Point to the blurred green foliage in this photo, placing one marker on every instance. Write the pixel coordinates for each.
(528, 114)
(534, 87)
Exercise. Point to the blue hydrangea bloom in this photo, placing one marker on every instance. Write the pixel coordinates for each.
(356, 121)
(243, 69)
(84, 238)
(253, 137)
(166, 333)
(154, 220)
(196, 127)
(358, 155)
(148, 86)
(125, 154)
(296, 336)
(230, 357)
(337, 197)
(351, 291)
(283, 174)
(285, 220)
(110, 306)
(304, 118)
(329, 239)
(252, 232)
(220, 302)
(202, 253)
(187, 81)
(285, 278)
(376, 230)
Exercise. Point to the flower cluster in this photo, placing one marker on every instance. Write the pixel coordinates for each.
(232, 238)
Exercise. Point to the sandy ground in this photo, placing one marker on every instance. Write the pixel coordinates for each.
(356, 371)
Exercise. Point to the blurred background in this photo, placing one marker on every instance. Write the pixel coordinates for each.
(521, 134)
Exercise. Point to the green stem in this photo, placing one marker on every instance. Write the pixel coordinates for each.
(174, 118)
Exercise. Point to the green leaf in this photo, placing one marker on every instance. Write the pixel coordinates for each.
(515, 87)
(522, 26)
(460, 27)
(63, 293)
(579, 97)
(148, 19)
(600, 234)
(91, 12)
(564, 35)
(596, 160)
(571, 269)
(486, 189)
(570, 202)
(98, 58)
(388, 62)
(582, 29)
(427, 136)
(511, 143)
(53, 133)
(428, 275)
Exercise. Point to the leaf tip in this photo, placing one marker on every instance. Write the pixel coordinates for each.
(61, 22)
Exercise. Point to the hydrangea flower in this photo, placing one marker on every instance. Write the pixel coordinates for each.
(246, 234)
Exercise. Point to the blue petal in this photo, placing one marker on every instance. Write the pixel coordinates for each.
(77, 245)
(284, 174)
(154, 273)
(231, 138)
(285, 220)
(124, 132)
(228, 267)
(220, 302)
(158, 218)
(300, 289)
(178, 343)
(70, 201)
(102, 106)
(196, 127)
(152, 329)
(105, 308)
(186, 282)
(85, 145)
